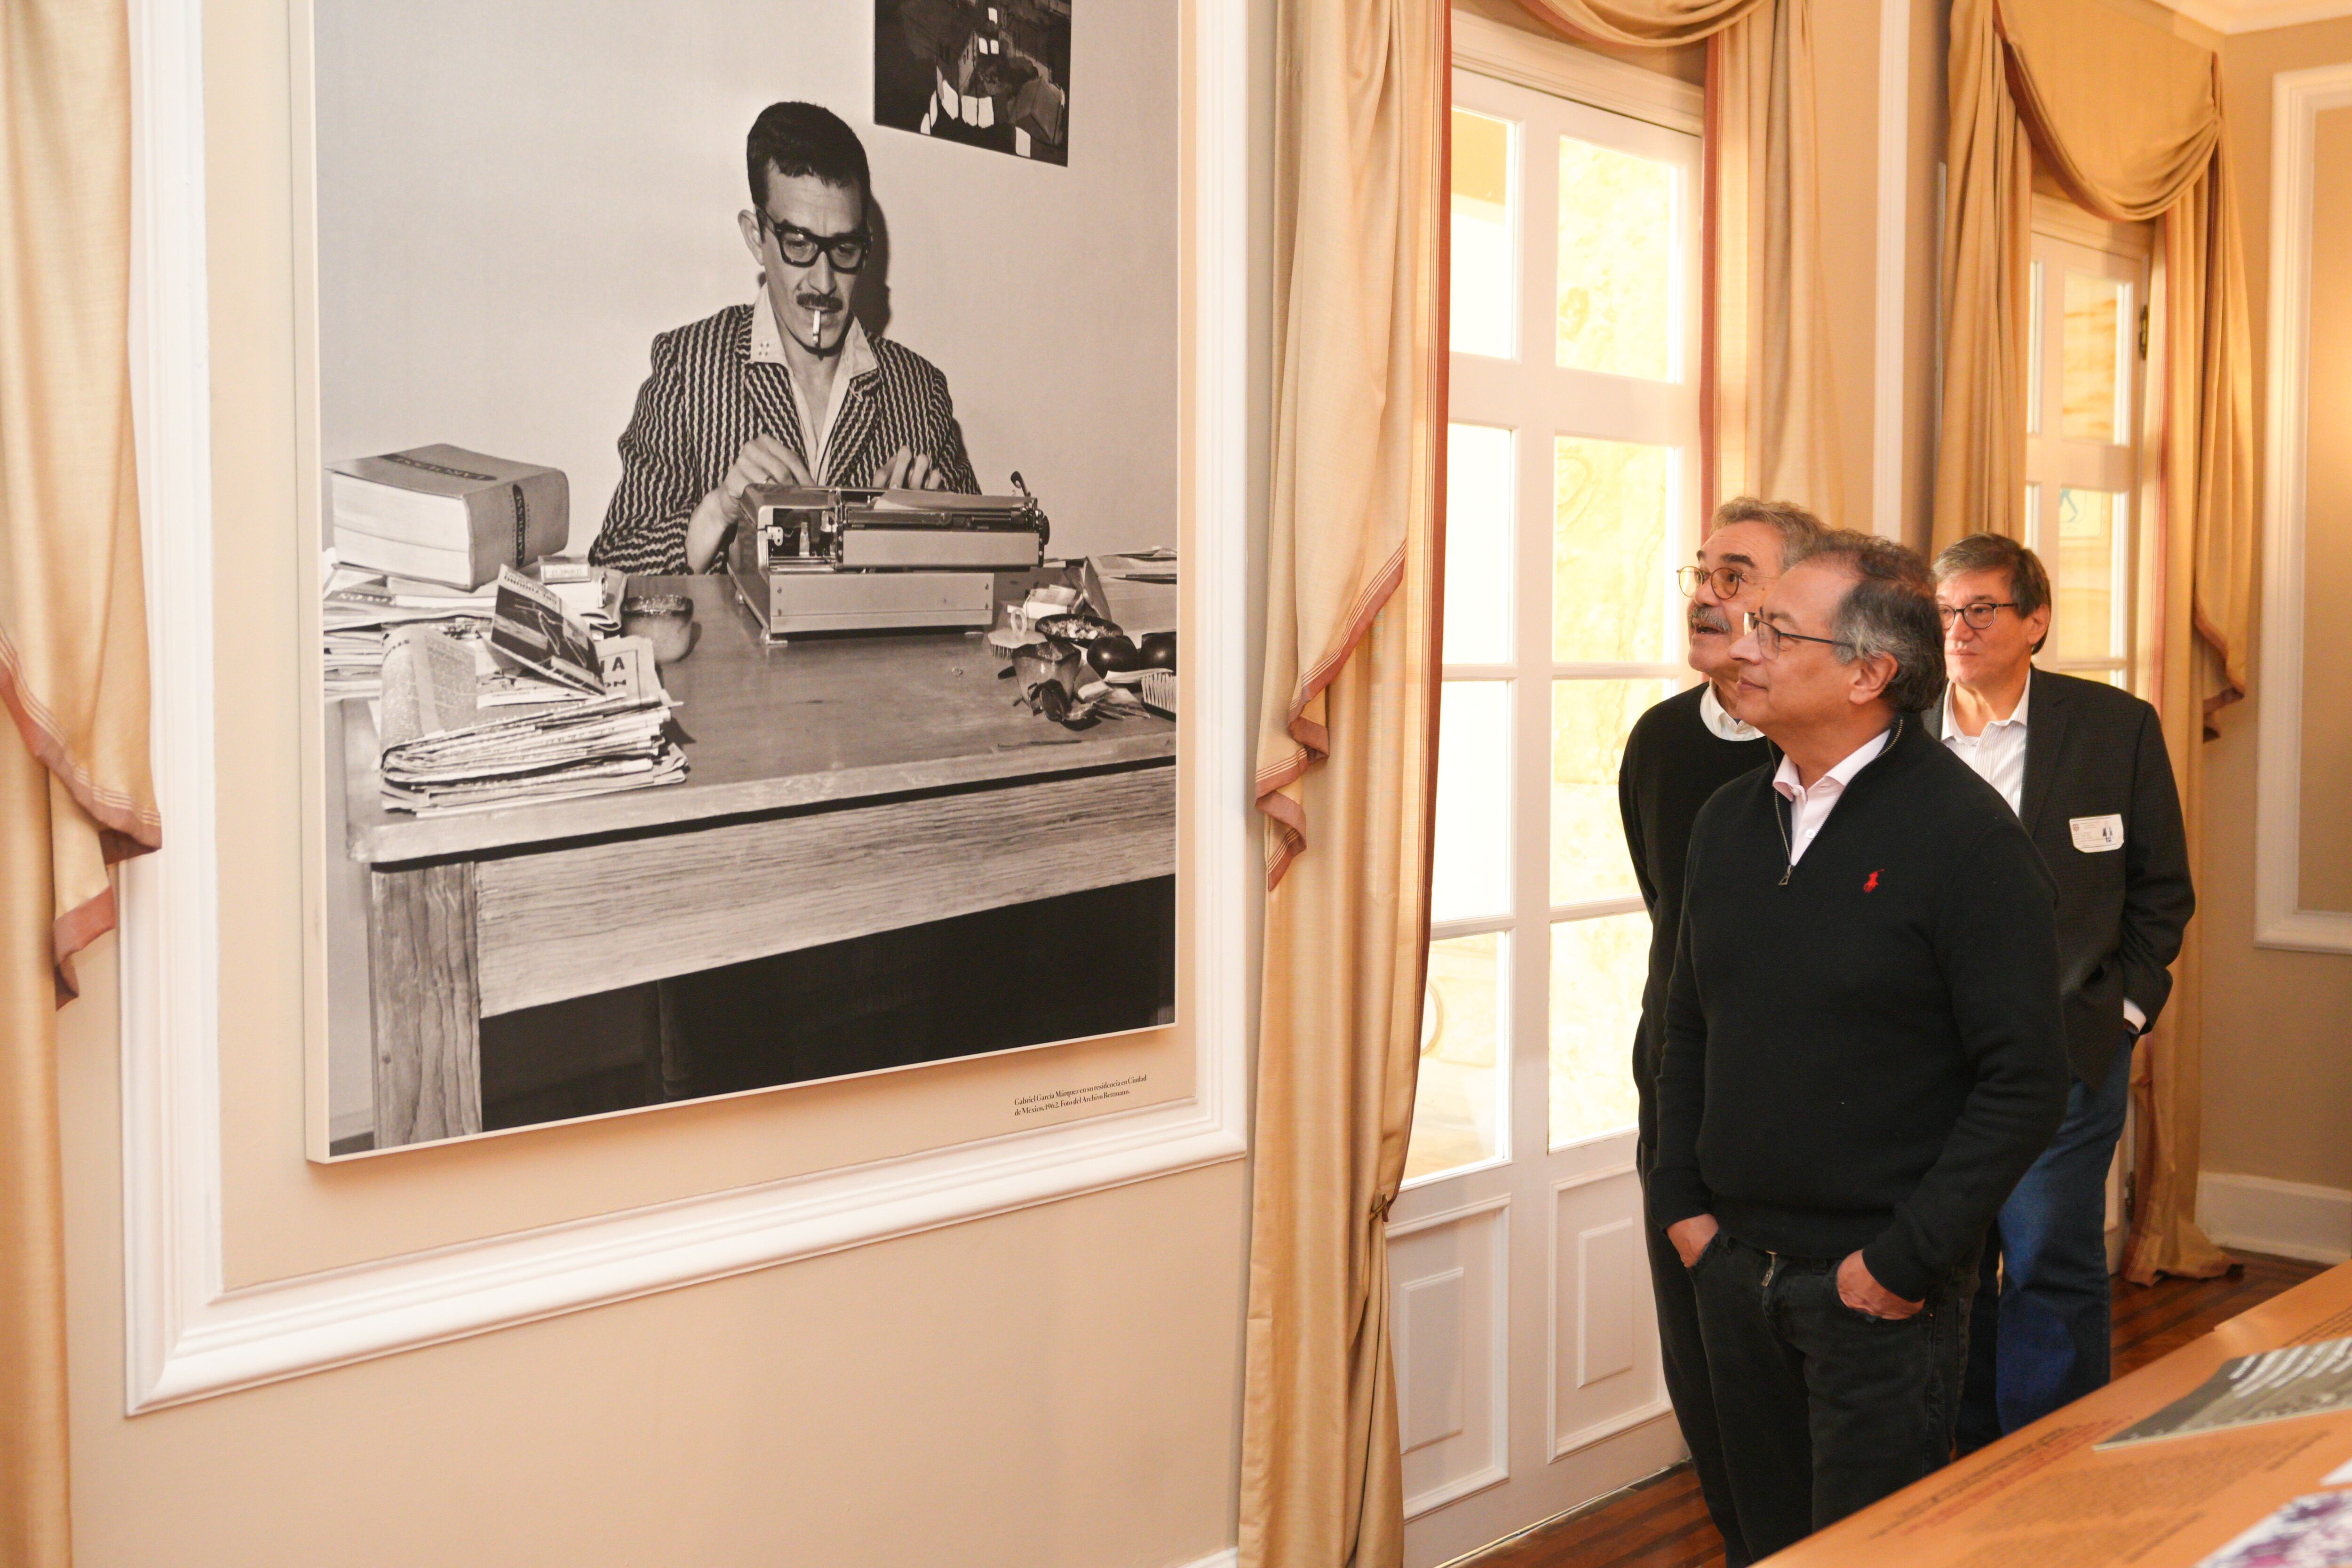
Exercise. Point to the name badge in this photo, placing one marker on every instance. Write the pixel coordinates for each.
(2096, 835)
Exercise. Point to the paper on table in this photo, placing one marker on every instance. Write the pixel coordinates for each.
(2341, 1476)
(2276, 1385)
(428, 685)
(2313, 1531)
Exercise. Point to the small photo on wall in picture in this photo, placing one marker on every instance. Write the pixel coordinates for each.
(992, 73)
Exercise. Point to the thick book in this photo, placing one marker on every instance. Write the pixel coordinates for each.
(444, 514)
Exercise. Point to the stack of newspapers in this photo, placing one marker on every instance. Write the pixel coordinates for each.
(576, 715)
(361, 610)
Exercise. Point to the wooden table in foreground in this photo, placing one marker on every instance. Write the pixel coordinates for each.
(2041, 1497)
(838, 787)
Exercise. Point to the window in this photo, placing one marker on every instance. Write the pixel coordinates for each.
(1572, 466)
(2087, 314)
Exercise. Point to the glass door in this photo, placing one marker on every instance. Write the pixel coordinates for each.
(1526, 1349)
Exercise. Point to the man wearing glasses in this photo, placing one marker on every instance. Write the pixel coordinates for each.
(789, 389)
(1679, 753)
(2084, 766)
(1863, 1049)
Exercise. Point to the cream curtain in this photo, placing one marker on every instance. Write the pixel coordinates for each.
(1346, 761)
(2128, 120)
(74, 788)
(1769, 403)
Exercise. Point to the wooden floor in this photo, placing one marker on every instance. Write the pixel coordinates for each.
(1662, 1523)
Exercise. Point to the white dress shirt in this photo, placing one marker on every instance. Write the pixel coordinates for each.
(1808, 808)
(1998, 756)
(857, 359)
(1718, 719)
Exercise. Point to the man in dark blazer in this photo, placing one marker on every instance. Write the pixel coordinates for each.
(2083, 763)
(789, 389)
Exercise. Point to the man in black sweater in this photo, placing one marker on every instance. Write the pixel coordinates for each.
(1863, 1049)
(1680, 751)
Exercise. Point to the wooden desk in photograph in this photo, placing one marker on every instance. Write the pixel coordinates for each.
(2045, 1497)
(838, 786)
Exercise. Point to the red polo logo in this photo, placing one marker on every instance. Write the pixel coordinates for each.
(1872, 885)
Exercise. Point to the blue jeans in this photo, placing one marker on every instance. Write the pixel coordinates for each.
(1823, 1410)
(2042, 1328)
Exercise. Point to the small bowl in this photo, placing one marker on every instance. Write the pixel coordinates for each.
(665, 620)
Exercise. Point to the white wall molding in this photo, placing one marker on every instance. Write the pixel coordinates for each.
(188, 1336)
(2280, 920)
(2290, 1219)
(1230, 1557)
(1894, 260)
(1558, 67)
(2259, 15)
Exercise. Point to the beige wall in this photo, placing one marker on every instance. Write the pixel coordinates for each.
(2326, 878)
(2278, 1025)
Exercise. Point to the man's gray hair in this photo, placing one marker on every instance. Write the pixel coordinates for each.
(1890, 610)
(1795, 525)
(2029, 580)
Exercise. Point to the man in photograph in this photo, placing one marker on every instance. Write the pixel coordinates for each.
(1680, 752)
(788, 389)
(1863, 1049)
(2084, 766)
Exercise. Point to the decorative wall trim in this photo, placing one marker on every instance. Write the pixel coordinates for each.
(2228, 16)
(2291, 1219)
(1230, 1557)
(1559, 68)
(188, 1337)
(1894, 265)
(2280, 920)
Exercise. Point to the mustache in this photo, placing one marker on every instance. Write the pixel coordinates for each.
(1708, 618)
(817, 302)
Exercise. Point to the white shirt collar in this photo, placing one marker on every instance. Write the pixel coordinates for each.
(1718, 719)
(1785, 778)
(857, 359)
(1950, 731)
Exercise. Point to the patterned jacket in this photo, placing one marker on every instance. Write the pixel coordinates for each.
(708, 396)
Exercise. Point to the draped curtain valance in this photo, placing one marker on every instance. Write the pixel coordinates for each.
(2127, 120)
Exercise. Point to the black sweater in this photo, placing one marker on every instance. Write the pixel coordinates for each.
(1872, 1054)
(1673, 764)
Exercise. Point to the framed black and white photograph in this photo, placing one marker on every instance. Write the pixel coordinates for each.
(748, 445)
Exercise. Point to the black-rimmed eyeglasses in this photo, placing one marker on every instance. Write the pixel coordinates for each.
(1979, 615)
(800, 248)
(1770, 639)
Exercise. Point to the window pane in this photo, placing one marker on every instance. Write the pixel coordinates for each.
(1588, 722)
(1484, 261)
(1616, 261)
(1597, 970)
(1457, 1108)
(2093, 357)
(1472, 874)
(2083, 620)
(1609, 504)
(1478, 503)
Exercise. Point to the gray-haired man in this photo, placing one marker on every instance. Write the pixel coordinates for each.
(1680, 752)
(1862, 1053)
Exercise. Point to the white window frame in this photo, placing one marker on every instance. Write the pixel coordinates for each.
(2065, 237)
(1530, 395)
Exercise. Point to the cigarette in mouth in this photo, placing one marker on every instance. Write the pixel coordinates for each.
(816, 320)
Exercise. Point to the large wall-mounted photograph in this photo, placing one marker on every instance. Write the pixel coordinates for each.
(749, 565)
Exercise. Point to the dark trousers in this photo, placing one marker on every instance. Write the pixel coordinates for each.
(2044, 1328)
(1683, 1356)
(1823, 1409)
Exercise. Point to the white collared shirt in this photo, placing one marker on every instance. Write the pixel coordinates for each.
(1718, 719)
(856, 360)
(1808, 808)
(1998, 756)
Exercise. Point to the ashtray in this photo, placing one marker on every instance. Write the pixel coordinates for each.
(665, 620)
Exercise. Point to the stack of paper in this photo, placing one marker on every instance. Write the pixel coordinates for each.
(568, 714)
(444, 514)
(361, 608)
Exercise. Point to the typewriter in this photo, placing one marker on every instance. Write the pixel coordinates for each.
(871, 560)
